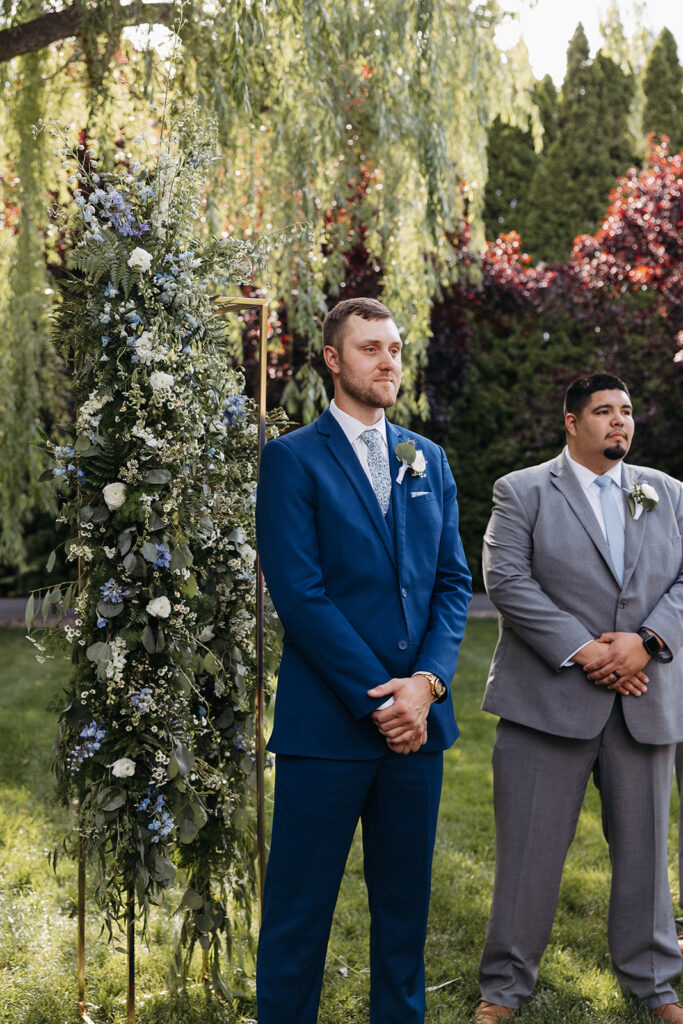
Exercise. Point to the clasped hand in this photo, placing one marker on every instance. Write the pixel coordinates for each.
(616, 660)
(404, 723)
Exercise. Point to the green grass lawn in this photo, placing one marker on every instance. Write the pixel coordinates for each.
(37, 906)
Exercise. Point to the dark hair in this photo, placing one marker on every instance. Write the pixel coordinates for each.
(578, 393)
(368, 309)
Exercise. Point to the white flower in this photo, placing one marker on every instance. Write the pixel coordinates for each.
(159, 607)
(123, 768)
(419, 464)
(649, 493)
(114, 495)
(140, 259)
(161, 381)
(206, 634)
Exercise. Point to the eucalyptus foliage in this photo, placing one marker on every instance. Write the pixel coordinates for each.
(156, 484)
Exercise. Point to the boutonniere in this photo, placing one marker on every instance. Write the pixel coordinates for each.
(642, 497)
(411, 458)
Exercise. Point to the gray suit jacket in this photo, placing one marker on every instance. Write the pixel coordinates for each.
(547, 570)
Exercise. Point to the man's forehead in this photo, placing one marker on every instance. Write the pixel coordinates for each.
(371, 330)
(612, 398)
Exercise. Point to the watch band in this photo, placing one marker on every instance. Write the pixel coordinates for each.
(656, 650)
(439, 688)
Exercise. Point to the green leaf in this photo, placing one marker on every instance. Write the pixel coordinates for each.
(82, 443)
(130, 561)
(148, 639)
(187, 830)
(192, 899)
(116, 801)
(199, 814)
(204, 922)
(85, 514)
(158, 476)
(163, 869)
(172, 767)
(185, 759)
(406, 451)
(161, 642)
(108, 609)
(30, 611)
(99, 514)
(125, 541)
(98, 652)
(190, 588)
(149, 551)
(51, 560)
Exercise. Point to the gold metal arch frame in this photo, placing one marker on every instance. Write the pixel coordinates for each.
(224, 307)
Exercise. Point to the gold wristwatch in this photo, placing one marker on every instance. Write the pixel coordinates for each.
(439, 690)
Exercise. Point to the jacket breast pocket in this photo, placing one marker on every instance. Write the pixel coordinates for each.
(420, 499)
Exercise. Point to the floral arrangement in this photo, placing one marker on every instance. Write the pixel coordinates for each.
(157, 482)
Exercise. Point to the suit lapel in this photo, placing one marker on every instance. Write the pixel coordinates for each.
(566, 481)
(347, 460)
(399, 494)
(635, 529)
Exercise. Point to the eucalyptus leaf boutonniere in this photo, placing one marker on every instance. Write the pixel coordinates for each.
(641, 497)
(411, 458)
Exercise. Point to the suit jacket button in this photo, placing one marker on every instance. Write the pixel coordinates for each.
(404, 591)
(403, 645)
(622, 604)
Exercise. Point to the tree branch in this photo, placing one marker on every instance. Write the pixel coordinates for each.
(49, 28)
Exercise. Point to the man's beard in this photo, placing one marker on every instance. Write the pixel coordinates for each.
(615, 453)
(364, 393)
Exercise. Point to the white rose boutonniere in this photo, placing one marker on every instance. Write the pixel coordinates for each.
(123, 768)
(411, 458)
(114, 495)
(140, 259)
(643, 497)
(159, 607)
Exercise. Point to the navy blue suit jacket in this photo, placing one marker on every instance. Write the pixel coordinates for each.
(357, 607)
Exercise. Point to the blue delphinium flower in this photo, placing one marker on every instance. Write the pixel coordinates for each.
(92, 735)
(113, 592)
(235, 409)
(143, 700)
(163, 559)
(101, 621)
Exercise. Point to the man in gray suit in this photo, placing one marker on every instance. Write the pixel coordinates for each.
(582, 558)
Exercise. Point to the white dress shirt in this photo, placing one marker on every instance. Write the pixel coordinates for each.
(353, 429)
(586, 478)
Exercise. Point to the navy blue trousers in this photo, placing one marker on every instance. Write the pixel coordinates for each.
(318, 804)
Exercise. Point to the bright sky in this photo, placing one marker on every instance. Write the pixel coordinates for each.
(548, 25)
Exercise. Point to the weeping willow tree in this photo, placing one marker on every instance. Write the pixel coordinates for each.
(356, 117)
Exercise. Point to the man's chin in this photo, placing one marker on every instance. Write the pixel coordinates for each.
(615, 453)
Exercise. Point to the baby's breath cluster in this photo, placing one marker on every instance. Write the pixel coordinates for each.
(157, 480)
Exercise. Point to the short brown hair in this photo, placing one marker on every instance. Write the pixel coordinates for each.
(367, 309)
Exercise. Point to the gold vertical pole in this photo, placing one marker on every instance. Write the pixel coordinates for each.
(260, 752)
(81, 927)
(130, 928)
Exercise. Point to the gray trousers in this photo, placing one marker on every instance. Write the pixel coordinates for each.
(539, 785)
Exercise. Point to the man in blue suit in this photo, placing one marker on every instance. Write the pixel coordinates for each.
(360, 548)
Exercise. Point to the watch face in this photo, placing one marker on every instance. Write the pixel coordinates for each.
(651, 644)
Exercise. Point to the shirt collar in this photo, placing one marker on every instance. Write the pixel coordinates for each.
(586, 476)
(353, 428)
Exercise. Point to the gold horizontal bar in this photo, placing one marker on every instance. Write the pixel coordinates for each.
(234, 305)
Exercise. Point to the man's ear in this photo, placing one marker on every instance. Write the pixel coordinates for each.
(570, 423)
(331, 357)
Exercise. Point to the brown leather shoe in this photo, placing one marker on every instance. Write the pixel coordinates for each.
(669, 1011)
(491, 1013)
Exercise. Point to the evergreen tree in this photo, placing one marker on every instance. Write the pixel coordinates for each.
(570, 187)
(662, 82)
(511, 162)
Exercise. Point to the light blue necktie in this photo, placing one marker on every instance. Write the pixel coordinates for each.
(614, 527)
(379, 468)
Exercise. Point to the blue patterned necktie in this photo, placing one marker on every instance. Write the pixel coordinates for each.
(614, 528)
(379, 468)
